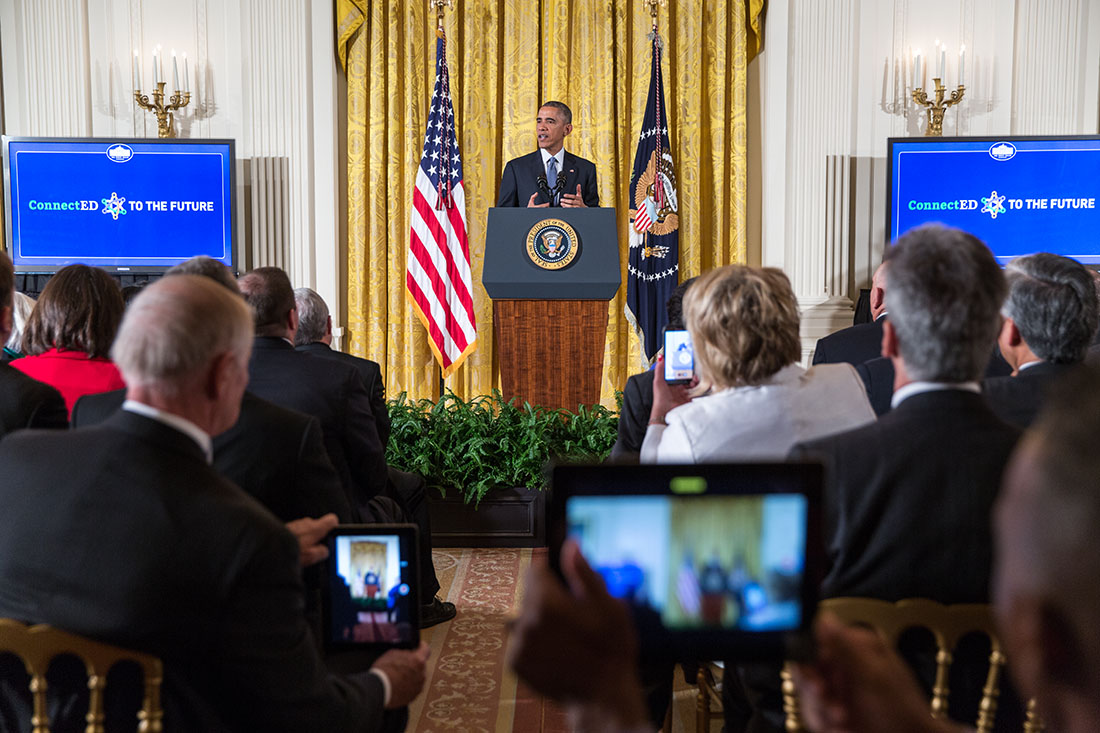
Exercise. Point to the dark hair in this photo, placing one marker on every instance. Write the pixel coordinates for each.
(268, 291)
(944, 293)
(674, 307)
(207, 267)
(566, 113)
(1052, 300)
(79, 310)
(7, 280)
(130, 292)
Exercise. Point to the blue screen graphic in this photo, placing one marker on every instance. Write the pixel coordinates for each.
(127, 204)
(1019, 196)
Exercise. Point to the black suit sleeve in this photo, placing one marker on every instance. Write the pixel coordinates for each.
(380, 410)
(267, 655)
(362, 446)
(589, 189)
(318, 483)
(633, 420)
(508, 186)
(819, 353)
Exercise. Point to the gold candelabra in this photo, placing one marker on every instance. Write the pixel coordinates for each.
(163, 112)
(936, 107)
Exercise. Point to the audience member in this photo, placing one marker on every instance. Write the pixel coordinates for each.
(173, 559)
(314, 336)
(70, 331)
(1046, 563)
(1049, 320)
(909, 497)
(755, 400)
(24, 402)
(334, 393)
(21, 307)
(861, 342)
(638, 392)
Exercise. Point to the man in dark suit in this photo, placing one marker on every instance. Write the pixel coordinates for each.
(1050, 318)
(909, 497)
(146, 546)
(550, 176)
(334, 393)
(24, 402)
(856, 344)
(638, 392)
(314, 336)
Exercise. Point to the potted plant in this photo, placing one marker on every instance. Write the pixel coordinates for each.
(484, 461)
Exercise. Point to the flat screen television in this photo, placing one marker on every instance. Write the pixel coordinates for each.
(123, 205)
(1020, 195)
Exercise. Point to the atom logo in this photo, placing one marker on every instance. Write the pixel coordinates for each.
(993, 205)
(114, 206)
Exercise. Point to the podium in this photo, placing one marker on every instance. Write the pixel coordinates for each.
(550, 273)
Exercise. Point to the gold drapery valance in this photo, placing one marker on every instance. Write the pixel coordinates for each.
(506, 57)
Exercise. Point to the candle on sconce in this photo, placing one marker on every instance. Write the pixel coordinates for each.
(175, 72)
(155, 75)
(137, 71)
(943, 61)
(962, 65)
(918, 80)
(186, 74)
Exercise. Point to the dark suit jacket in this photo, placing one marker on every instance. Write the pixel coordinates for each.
(276, 455)
(521, 175)
(121, 532)
(371, 373)
(634, 417)
(333, 393)
(853, 345)
(878, 378)
(28, 403)
(1017, 400)
(909, 500)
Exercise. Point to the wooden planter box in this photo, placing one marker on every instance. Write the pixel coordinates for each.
(504, 518)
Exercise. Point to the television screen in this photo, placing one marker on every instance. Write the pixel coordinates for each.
(123, 205)
(1018, 194)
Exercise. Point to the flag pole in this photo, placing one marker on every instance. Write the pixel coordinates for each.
(438, 6)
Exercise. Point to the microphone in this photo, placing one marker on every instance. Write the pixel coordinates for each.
(559, 186)
(544, 187)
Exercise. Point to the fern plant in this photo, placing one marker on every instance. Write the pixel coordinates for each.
(489, 442)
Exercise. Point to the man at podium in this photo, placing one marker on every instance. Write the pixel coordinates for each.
(550, 176)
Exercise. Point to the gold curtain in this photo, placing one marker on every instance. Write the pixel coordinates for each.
(505, 58)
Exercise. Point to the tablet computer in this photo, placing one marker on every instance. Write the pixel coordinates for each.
(719, 561)
(371, 598)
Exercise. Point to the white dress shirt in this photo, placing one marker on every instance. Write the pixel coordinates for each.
(764, 421)
(915, 388)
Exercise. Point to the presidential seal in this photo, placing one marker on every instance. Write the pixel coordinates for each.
(552, 244)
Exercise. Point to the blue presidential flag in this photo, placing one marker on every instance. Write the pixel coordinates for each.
(653, 268)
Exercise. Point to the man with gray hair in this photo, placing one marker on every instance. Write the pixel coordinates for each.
(314, 336)
(909, 497)
(1050, 319)
(173, 559)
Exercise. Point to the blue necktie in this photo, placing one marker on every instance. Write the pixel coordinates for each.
(552, 172)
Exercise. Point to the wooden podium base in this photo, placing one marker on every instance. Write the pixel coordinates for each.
(551, 351)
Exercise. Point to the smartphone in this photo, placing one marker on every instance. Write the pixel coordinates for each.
(679, 357)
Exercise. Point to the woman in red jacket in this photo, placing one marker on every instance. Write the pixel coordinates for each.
(70, 331)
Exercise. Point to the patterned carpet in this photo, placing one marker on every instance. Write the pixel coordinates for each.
(468, 688)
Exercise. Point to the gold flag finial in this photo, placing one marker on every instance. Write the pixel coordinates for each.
(653, 5)
(438, 6)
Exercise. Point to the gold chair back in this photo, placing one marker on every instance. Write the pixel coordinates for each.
(38, 645)
(948, 624)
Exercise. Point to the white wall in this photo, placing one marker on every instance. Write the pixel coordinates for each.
(262, 72)
(834, 86)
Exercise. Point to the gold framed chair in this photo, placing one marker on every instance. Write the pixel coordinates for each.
(948, 624)
(38, 645)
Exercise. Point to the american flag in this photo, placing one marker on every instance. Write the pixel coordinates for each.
(653, 268)
(438, 276)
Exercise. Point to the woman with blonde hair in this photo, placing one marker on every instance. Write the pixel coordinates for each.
(753, 400)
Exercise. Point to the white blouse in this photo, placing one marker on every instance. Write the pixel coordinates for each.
(764, 421)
